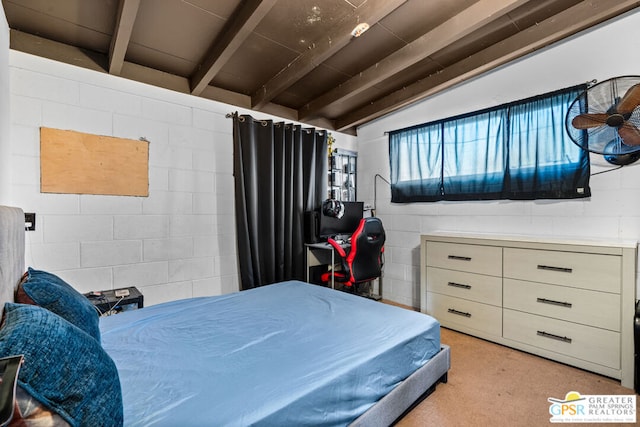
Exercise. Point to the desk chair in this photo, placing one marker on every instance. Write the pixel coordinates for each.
(363, 261)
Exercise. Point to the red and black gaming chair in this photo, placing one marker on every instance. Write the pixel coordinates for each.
(363, 261)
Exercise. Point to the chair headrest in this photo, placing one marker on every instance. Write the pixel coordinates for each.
(373, 229)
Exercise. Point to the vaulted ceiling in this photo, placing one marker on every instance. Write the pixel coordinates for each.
(298, 59)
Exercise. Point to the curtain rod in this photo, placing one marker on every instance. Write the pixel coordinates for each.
(266, 122)
(511, 104)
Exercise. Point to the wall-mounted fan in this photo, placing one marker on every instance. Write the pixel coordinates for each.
(605, 119)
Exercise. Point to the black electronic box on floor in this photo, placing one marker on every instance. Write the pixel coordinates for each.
(116, 300)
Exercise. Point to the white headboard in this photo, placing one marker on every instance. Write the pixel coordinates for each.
(11, 251)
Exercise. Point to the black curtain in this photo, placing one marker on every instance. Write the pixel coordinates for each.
(280, 172)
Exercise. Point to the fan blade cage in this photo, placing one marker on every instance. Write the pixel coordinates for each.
(593, 120)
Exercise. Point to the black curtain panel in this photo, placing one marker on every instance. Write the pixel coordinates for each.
(280, 171)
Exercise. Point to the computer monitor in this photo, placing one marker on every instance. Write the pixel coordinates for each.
(341, 227)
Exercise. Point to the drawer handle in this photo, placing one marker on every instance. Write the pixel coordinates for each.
(552, 302)
(552, 268)
(459, 313)
(554, 337)
(459, 285)
(459, 258)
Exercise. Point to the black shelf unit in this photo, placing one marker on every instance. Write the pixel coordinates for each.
(343, 167)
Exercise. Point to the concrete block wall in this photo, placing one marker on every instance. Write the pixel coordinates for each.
(613, 211)
(180, 241)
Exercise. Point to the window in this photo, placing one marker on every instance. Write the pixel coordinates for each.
(514, 151)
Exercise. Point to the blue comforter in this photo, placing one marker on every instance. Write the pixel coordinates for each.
(288, 354)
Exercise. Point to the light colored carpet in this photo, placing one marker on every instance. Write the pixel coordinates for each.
(493, 385)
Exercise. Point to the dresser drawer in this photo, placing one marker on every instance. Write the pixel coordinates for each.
(590, 308)
(582, 342)
(456, 313)
(471, 258)
(580, 270)
(471, 286)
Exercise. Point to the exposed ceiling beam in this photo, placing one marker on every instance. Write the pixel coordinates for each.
(450, 31)
(573, 20)
(371, 11)
(127, 11)
(45, 48)
(233, 35)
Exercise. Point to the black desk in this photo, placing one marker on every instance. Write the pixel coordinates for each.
(323, 253)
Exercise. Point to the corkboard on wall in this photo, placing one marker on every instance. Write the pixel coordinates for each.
(80, 163)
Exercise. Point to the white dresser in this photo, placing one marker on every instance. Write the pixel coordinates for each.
(567, 300)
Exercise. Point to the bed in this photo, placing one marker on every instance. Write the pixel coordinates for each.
(286, 354)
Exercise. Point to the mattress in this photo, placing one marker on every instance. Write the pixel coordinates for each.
(285, 354)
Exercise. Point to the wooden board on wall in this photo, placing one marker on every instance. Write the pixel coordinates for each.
(80, 163)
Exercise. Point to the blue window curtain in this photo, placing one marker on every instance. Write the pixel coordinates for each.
(514, 151)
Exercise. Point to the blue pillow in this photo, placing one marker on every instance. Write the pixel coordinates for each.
(64, 368)
(51, 292)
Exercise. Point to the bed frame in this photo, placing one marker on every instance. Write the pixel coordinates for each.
(384, 413)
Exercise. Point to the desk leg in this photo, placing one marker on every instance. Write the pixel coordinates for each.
(377, 296)
(333, 268)
(307, 264)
